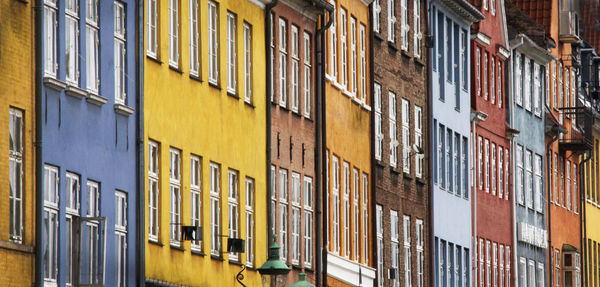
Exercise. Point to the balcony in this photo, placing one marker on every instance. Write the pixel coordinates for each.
(569, 28)
(579, 138)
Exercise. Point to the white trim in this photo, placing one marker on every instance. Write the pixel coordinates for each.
(482, 39)
(349, 272)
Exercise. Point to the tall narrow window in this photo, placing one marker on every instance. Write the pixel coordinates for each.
(308, 222)
(283, 63)
(50, 38)
(121, 236)
(249, 222)
(376, 16)
(487, 165)
(365, 218)
(344, 47)
(540, 275)
(175, 196)
(405, 25)
(481, 260)
(407, 252)
(363, 65)
(449, 53)
(231, 53)
(554, 92)
(495, 264)
(391, 20)
(518, 79)
(247, 63)
(196, 198)
(73, 191)
(92, 44)
(488, 264)
(463, 63)
(464, 161)
(561, 182)
(568, 184)
(493, 7)
(283, 212)
(378, 123)
(295, 76)
(355, 212)
(346, 209)
(152, 17)
(307, 75)
(575, 188)
(233, 209)
(419, 231)
(493, 81)
(529, 179)
(419, 141)
(353, 58)
(50, 221)
(213, 43)
(442, 156)
(478, 70)
(379, 223)
(174, 33)
(493, 172)
(296, 218)
(95, 265)
(500, 172)
(194, 38)
(395, 247)
(501, 265)
(16, 174)
(333, 61)
(520, 174)
(480, 161)
(72, 41)
(555, 178)
(485, 75)
(537, 89)
(538, 196)
(153, 190)
(406, 147)
(527, 83)
(120, 52)
(417, 33)
(499, 84)
(393, 133)
(215, 210)
(560, 85)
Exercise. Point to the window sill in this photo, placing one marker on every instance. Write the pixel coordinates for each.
(250, 105)
(54, 83)
(308, 269)
(196, 78)
(347, 93)
(75, 92)
(214, 85)
(377, 36)
(123, 110)
(233, 95)
(356, 100)
(421, 181)
(155, 242)
(406, 54)
(175, 247)
(198, 252)
(308, 118)
(296, 266)
(395, 170)
(10, 245)
(392, 46)
(419, 61)
(380, 163)
(284, 108)
(216, 257)
(366, 107)
(176, 69)
(407, 175)
(154, 59)
(96, 99)
(236, 262)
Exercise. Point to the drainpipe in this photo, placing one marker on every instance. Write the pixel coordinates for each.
(476, 118)
(582, 208)
(268, 95)
(321, 151)
(430, 206)
(141, 207)
(39, 166)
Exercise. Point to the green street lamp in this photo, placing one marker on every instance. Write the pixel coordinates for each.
(274, 271)
(302, 281)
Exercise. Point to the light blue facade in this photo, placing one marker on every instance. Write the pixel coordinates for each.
(90, 136)
(450, 116)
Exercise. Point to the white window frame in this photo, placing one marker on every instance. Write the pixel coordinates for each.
(196, 198)
(152, 33)
(406, 147)
(488, 264)
(495, 264)
(365, 218)
(393, 130)
(391, 21)
(480, 161)
(492, 80)
(72, 41)
(407, 251)
(379, 223)
(50, 39)
(538, 192)
(213, 43)
(307, 75)
(174, 33)
(233, 200)
(529, 178)
(500, 171)
(499, 84)
(295, 68)
(355, 212)
(419, 141)
(346, 209)
(231, 53)
(296, 218)
(493, 172)
(250, 202)
(363, 65)
(344, 47)
(73, 193)
(308, 222)
(94, 250)
(417, 33)
(405, 27)
(92, 46)
(194, 35)
(333, 68)
(283, 88)
(420, 242)
(376, 16)
(568, 185)
(378, 123)
(175, 197)
(478, 70)
(120, 64)
(283, 213)
(16, 175)
(353, 58)
(540, 275)
(486, 164)
(248, 63)
(153, 190)
(537, 89)
(215, 210)
(485, 75)
(395, 247)
(336, 204)
(121, 236)
(519, 181)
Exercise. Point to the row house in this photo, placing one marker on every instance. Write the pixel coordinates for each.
(527, 69)
(17, 208)
(400, 178)
(87, 158)
(204, 142)
(450, 96)
(347, 102)
(491, 205)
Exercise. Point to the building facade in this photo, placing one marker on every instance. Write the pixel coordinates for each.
(17, 209)
(400, 175)
(529, 58)
(450, 140)
(293, 135)
(492, 216)
(88, 154)
(347, 128)
(202, 75)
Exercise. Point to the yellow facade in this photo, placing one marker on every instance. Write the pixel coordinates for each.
(17, 259)
(197, 118)
(591, 260)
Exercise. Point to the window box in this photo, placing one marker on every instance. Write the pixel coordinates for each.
(75, 92)
(96, 99)
(123, 110)
(54, 83)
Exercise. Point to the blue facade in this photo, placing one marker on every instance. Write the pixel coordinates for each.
(450, 111)
(88, 140)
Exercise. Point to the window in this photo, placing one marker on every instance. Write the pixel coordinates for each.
(561, 183)
(378, 123)
(72, 41)
(282, 63)
(520, 174)
(365, 218)
(233, 208)
(493, 7)
(355, 212)
(540, 275)
(376, 16)
(95, 266)
(307, 75)
(346, 209)
(485, 5)
(480, 161)
(501, 265)
(353, 59)
(379, 211)
(406, 147)
(308, 222)
(493, 80)
(215, 210)
(454, 166)
(213, 43)
(92, 44)
(247, 63)
(518, 79)
(405, 26)
(295, 69)
(485, 75)
(363, 65)
(442, 156)
(557, 267)
(50, 221)
(50, 37)
(174, 33)
(393, 135)
(152, 16)
(560, 85)
(153, 190)
(73, 190)
(531, 273)
(407, 252)
(481, 259)
(231, 53)
(463, 62)
(249, 222)
(464, 164)
(539, 197)
(527, 83)
(499, 84)
(194, 38)
(420, 253)
(120, 52)
(487, 165)
(344, 46)
(449, 52)
(506, 166)
(555, 177)
(418, 35)
(16, 174)
(478, 70)
(395, 247)
(333, 47)
(336, 204)
(391, 20)
(196, 197)
(568, 185)
(175, 196)
(537, 89)
(500, 171)
(295, 218)
(508, 259)
(529, 179)
(573, 88)
(493, 154)
(575, 187)
(522, 272)
(488, 265)
(419, 141)
(554, 95)
(495, 264)
(121, 236)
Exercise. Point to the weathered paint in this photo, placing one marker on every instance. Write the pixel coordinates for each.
(203, 120)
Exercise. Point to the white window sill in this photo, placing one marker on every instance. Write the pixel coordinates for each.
(95, 99)
(75, 92)
(366, 107)
(347, 93)
(53, 83)
(123, 109)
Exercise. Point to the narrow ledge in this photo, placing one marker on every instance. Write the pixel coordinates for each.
(10, 245)
(123, 110)
(155, 242)
(75, 92)
(55, 84)
(96, 99)
(175, 247)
